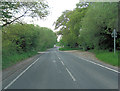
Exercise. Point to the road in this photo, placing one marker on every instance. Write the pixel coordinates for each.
(61, 70)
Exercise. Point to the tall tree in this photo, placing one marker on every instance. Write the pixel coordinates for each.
(70, 23)
(98, 24)
(13, 11)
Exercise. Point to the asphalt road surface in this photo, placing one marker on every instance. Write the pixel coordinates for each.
(62, 70)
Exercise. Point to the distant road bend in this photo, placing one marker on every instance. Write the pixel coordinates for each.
(61, 70)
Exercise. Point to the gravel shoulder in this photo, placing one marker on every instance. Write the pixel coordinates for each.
(90, 56)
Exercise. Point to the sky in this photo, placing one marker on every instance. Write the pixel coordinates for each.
(56, 9)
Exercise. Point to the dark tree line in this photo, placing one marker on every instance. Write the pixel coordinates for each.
(20, 39)
(89, 26)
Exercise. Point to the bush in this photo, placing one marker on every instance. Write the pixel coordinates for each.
(21, 39)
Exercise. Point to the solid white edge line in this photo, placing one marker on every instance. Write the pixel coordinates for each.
(20, 74)
(71, 75)
(100, 65)
(62, 62)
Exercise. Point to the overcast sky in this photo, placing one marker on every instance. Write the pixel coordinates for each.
(56, 9)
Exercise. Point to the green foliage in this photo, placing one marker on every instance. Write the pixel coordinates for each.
(69, 23)
(11, 10)
(13, 59)
(89, 26)
(106, 56)
(67, 49)
(58, 44)
(19, 39)
(97, 26)
(63, 20)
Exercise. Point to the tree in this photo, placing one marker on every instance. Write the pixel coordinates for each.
(70, 23)
(27, 37)
(63, 20)
(13, 11)
(21, 41)
(97, 26)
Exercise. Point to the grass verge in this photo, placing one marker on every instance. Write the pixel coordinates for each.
(9, 60)
(103, 55)
(107, 57)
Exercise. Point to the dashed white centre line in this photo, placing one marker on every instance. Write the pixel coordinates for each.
(20, 74)
(71, 75)
(62, 62)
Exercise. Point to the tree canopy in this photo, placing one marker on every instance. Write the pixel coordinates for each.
(22, 41)
(69, 23)
(13, 11)
(98, 24)
(89, 26)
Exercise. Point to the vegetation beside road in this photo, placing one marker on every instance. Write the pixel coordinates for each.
(89, 27)
(22, 41)
(106, 56)
(65, 49)
(13, 59)
(102, 55)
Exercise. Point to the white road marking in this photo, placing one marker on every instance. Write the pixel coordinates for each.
(20, 74)
(100, 65)
(62, 62)
(71, 75)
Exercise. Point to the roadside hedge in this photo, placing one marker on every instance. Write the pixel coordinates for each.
(20, 39)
